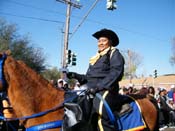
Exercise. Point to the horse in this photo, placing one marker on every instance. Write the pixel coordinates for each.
(149, 111)
(29, 93)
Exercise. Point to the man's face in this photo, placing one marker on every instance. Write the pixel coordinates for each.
(60, 84)
(103, 43)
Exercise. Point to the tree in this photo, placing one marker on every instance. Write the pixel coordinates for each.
(51, 74)
(20, 47)
(132, 61)
(172, 58)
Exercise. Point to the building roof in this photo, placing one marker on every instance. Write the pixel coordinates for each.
(164, 80)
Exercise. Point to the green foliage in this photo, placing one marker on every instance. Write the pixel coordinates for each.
(51, 74)
(20, 47)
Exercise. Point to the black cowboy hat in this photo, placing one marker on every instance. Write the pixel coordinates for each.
(109, 34)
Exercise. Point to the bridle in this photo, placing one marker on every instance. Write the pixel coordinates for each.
(2, 79)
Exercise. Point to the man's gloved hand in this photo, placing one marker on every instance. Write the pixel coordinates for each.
(71, 75)
(93, 91)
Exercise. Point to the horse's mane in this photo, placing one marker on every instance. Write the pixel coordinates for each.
(28, 91)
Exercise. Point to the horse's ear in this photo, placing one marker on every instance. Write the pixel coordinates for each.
(8, 52)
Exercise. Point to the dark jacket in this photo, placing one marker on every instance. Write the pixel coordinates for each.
(105, 73)
(163, 105)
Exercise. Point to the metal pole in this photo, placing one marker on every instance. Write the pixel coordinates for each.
(66, 34)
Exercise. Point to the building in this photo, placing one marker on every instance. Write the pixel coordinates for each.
(160, 81)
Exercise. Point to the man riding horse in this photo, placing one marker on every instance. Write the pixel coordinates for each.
(105, 70)
(42, 105)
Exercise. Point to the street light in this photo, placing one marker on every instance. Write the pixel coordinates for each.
(155, 73)
(68, 57)
(74, 59)
(111, 4)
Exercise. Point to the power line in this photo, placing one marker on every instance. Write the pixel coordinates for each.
(42, 9)
(76, 28)
(30, 17)
(90, 20)
(34, 7)
(84, 18)
(127, 30)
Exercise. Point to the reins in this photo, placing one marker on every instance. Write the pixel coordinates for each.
(48, 125)
(61, 105)
(44, 126)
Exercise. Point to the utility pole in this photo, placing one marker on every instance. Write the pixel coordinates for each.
(66, 33)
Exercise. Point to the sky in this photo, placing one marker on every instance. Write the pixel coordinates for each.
(146, 27)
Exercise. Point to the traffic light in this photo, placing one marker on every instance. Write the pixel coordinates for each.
(68, 56)
(74, 59)
(155, 73)
(111, 4)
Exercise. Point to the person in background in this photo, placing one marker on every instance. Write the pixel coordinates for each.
(130, 90)
(105, 70)
(77, 86)
(171, 92)
(60, 84)
(164, 109)
(172, 112)
(151, 94)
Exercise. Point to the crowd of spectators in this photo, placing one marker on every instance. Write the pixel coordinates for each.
(163, 98)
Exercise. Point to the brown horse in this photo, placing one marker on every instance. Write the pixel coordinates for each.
(29, 94)
(148, 110)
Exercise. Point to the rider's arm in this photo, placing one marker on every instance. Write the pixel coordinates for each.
(80, 77)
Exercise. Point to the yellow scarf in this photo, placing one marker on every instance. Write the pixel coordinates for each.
(94, 59)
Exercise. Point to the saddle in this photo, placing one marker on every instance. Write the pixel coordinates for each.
(124, 106)
(73, 114)
(73, 119)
